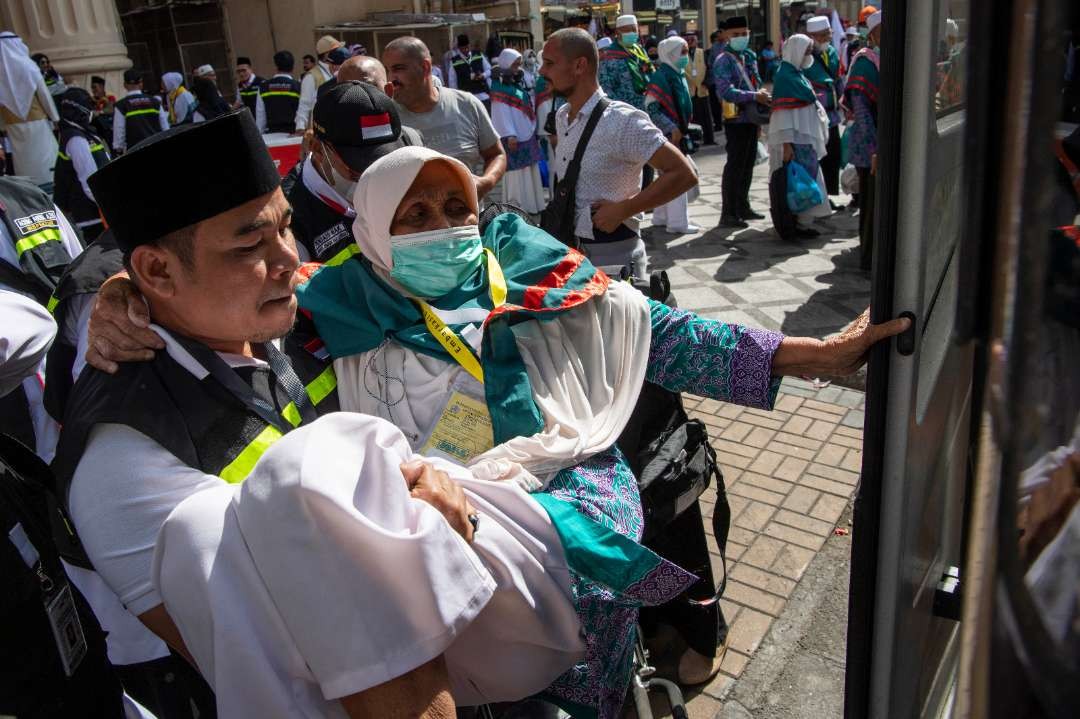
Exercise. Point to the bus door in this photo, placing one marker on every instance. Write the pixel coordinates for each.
(910, 509)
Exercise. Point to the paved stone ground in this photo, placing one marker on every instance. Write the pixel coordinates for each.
(790, 473)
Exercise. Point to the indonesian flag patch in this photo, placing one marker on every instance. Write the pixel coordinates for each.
(373, 127)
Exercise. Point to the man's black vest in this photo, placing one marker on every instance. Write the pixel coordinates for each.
(322, 230)
(33, 682)
(68, 191)
(142, 117)
(281, 97)
(30, 218)
(202, 422)
(84, 276)
(466, 68)
(249, 94)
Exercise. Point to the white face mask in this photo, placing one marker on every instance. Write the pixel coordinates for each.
(807, 62)
(341, 184)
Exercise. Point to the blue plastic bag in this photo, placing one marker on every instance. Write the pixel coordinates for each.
(802, 190)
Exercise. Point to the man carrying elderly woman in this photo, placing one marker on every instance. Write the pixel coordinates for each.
(464, 531)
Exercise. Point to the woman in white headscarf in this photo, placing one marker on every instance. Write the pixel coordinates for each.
(180, 101)
(799, 125)
(27, 111)
(514, 117)
(667, 100)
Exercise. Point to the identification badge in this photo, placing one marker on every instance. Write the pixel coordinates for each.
(693, 72)
(463, 430)
(67, 630)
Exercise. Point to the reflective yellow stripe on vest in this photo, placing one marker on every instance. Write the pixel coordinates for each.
(318, 390)
(93, 148)
(147, 111)
(49, 234)
(281, 93)
(238, 469)
(53, 302)
(345, 254)
(449, 339)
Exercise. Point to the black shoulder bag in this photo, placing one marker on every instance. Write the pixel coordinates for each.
(558, 218)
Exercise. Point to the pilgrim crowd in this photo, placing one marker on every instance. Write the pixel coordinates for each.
(353, 441)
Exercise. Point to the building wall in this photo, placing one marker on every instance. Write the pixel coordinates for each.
(258, 29)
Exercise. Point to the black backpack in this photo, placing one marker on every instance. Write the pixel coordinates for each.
(33, 679)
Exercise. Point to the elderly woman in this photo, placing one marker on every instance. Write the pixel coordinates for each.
(514, 118)
(667, 100)
(798, 125)
(179, 99)
(510, 354)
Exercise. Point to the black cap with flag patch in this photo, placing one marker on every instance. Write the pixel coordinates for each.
(142, 204)
(360, 123)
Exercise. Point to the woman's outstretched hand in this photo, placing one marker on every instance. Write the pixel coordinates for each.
(837, 356)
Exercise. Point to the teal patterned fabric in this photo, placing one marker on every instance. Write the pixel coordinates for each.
(601, 494)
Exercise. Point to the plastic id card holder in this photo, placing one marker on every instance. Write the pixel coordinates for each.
(463, 430)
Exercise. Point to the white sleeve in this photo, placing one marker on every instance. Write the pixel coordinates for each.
(260, 113)
(124, 488)
(502, 120)
(119, 131)
(487, 68)
(164, 119)
(68, 235)
(451, 75)
(197, 117)
(45, 97)
(307, 101)
(28, 330)
(78, 149)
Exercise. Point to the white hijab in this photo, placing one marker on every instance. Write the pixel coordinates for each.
(808, 125)
(18, 74)
(507, 58)
(381, 189)
(586, 365)
(670, 49)
(794, 50)
(172, 80)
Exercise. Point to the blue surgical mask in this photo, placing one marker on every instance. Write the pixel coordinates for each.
(628, 39)
(431, 264)
(738, 44)
(682, 62)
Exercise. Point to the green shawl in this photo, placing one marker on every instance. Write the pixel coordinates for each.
(669, 87)
(355, 310)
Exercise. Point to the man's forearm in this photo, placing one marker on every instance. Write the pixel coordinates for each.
(665, 188)
(423, 693)
(494, 169)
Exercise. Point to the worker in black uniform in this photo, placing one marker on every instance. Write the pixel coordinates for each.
(52, 650)
(470, 71)
(248, 91)
(281, 95)
(136, 116)
(320, 189)
(81, 154)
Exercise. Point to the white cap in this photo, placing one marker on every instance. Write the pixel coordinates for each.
(852, 31)
(603, 42)
(626, 21)
(817, 23)
(873, 21)
(203, 70)
(952, 29)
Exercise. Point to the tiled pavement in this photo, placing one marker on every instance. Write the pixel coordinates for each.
(789, 473)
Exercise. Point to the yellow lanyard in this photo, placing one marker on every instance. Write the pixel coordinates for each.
(449, 339)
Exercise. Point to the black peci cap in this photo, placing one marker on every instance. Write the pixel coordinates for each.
(359, 122)
(734, 23)
(132, 76)
(141, 204)
(463, 40)
(242, 60)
